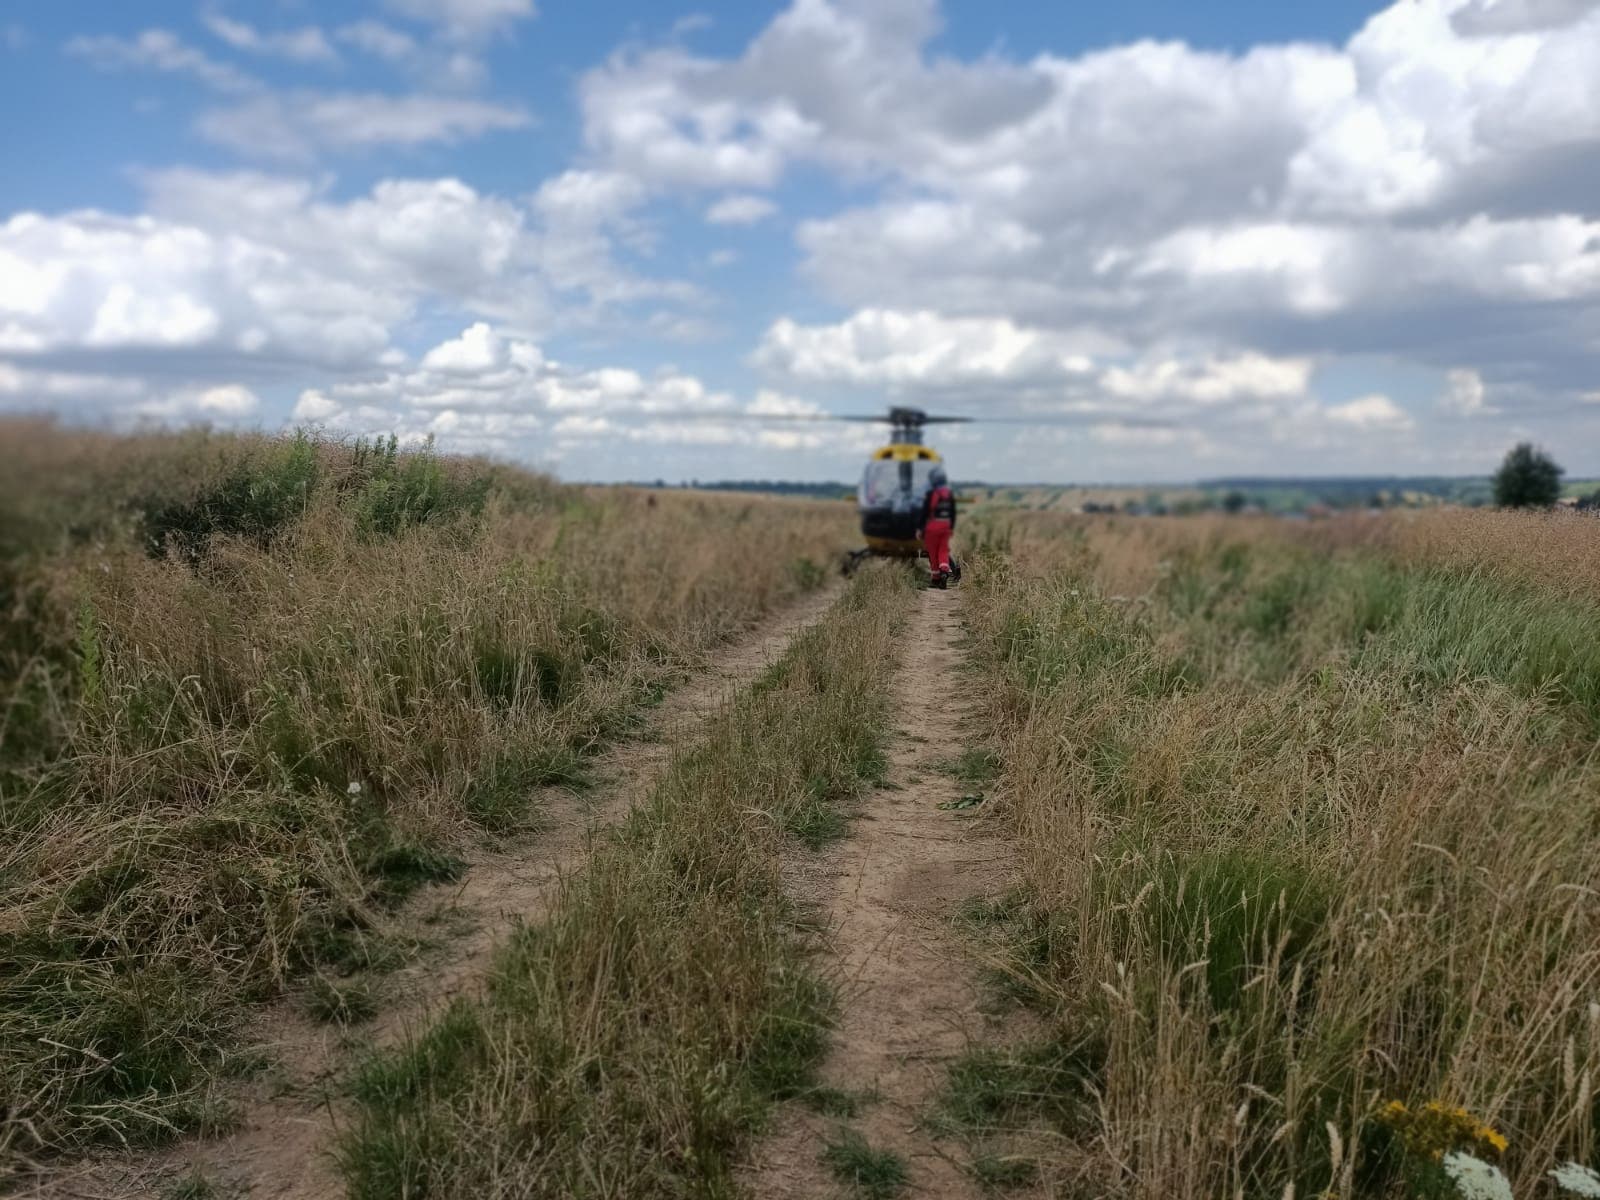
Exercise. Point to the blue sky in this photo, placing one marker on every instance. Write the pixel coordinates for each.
(1185, 240)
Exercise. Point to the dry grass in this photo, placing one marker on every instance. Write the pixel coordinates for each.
(630, 1043)
(223, 750)
(1309, 827)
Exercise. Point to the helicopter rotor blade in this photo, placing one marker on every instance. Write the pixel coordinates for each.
(1040, 420)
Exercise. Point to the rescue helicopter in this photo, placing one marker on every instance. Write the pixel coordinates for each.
(894, 486)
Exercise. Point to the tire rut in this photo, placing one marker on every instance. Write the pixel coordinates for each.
(281, 1146)
(910, 999)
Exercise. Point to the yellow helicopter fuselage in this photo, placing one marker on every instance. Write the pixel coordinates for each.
(891, 530)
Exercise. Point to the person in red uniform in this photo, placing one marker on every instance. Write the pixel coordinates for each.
(938, 521)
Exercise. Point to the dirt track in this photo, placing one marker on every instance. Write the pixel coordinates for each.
(910, 1001)
(282, 1145)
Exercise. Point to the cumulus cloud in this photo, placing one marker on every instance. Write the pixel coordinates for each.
(490, 390)
(1464, 395)
(994, 365)
(123, 399)
(1296, 199)
(740, 210)
(1147, 229)
(1372, 412)
(264, 268)
(921, 348)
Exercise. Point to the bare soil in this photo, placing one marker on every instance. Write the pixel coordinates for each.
(910, 999)
(286, 1122)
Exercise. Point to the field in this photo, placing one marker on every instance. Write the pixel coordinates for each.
(385, 824)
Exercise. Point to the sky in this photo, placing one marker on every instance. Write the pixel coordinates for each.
(1152, 241)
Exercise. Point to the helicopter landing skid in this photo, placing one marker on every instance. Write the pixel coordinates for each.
(852, 560)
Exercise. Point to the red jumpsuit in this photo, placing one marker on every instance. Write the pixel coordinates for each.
(939, 518)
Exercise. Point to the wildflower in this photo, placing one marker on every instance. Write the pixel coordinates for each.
(1476, 1179)
(1436, 1128)
(354, 789)
(1577, 1179)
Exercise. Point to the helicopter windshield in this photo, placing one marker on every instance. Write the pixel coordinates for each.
(895, 485)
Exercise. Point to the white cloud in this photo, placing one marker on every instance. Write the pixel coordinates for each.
(769, 403)
(122, 398)
(161, 50)
(1211, 381)
(230, 400)
(1517, 16)
(740, 210)
(1301, 199)
(1371, 413)
(308, 44)
(294, 125)
(922, 348)
(261, 267)
(492, 391)
(1464, 394)
(436, 66)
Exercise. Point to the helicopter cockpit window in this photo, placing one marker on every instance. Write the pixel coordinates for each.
(895, 485)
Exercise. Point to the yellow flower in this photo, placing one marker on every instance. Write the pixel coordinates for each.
(1437, 1128)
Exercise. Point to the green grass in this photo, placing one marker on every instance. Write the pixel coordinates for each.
(1000, 1172)
(997, 1088)
(835, 1102)
(344, 1002)
(868, 1173)
(975, 766)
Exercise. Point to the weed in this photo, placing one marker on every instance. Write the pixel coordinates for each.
(196, 1185)
(268, 489)
(995, 1088)
(835, 1102)
(346, 1002)
(975, 766)
(998, 1172)
(872, 1174)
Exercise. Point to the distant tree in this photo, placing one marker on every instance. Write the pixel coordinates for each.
(1528, 478)
(1234, 502)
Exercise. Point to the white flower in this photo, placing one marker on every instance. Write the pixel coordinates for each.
(1577, 1179)
(1476, 1179)
(354, 789)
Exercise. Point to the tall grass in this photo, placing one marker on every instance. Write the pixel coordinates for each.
(253, 690)
(1307, 831)
(628, 1044)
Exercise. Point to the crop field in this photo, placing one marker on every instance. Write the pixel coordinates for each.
(385, 824)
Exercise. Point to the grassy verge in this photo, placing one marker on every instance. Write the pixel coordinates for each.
(1310, 861)
(254, 691)
(629, 1043)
